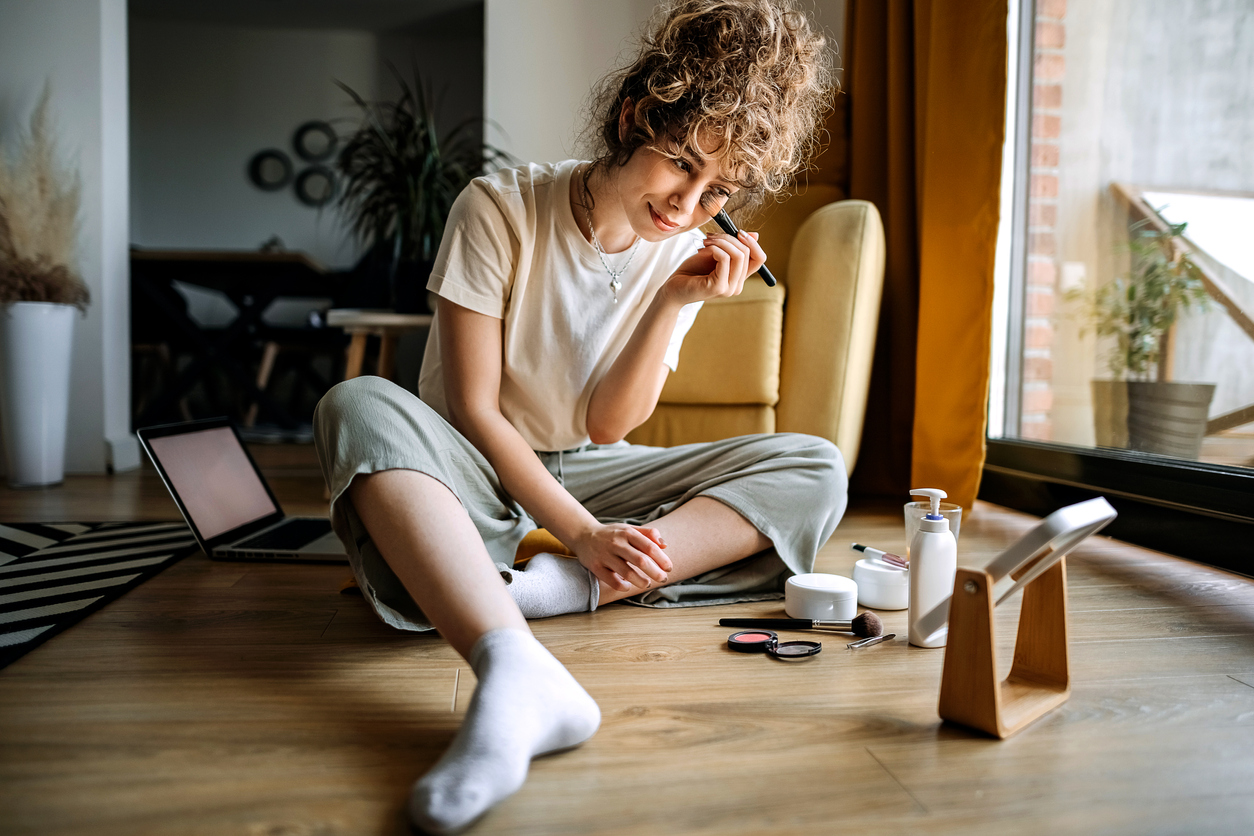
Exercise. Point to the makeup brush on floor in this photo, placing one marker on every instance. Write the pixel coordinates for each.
(885, 557)
(866, 625)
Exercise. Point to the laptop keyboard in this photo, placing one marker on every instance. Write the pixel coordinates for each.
(291, 535)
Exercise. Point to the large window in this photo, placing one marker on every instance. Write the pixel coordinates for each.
(1124, 362)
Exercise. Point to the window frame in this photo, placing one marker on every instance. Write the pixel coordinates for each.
(1197, 510)
(1201, 511)
(1024, 81)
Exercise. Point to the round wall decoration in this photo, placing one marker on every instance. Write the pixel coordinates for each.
(315, 186)
(315, 141)
(270, 169)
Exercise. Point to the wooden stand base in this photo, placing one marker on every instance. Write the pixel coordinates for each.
(1039, 679)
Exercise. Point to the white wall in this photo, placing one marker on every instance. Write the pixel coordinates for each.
(1157, 93)
(448, 51)
(204, 99)
(80, 47)
(543, 56)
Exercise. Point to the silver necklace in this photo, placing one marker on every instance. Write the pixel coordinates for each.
(615, 275)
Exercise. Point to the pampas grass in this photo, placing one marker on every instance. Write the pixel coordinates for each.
(39, 203)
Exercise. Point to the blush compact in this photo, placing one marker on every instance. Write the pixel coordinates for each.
(767, 641)
(752, 641)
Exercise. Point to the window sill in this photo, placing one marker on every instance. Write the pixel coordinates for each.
(1204, 512)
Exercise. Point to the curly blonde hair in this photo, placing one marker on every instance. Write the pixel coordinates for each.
(753, 76)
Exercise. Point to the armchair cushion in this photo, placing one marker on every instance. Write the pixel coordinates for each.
(737, 376)
(732, 353)
(672, 424)
(835, 280)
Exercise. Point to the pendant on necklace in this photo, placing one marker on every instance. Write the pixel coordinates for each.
(615, 284)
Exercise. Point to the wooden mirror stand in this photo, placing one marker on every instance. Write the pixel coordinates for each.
(1039, 679)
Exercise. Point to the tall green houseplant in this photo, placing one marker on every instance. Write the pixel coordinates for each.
(1139, 409)
(1139, 309)
(400, 178)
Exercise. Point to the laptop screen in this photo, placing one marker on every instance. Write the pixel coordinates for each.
(214, 478)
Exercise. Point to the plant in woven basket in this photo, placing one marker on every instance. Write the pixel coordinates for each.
(400, 176)
(39, 203)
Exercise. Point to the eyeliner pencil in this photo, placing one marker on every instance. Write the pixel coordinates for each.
(730, 228)
(782, 623)
(866, 624)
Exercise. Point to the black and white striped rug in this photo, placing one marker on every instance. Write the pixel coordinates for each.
(54, 574)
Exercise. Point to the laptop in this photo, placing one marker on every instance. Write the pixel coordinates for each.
(227, 502)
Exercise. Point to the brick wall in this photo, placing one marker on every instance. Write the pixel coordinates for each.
(1049, 66)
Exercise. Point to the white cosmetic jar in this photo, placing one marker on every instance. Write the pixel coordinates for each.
(825, 597)
(881, 587)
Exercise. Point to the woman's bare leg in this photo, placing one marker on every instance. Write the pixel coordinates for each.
(525, 703)
(700, 535)
(428, 540)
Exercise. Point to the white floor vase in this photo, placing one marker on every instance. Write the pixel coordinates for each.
(35, 343)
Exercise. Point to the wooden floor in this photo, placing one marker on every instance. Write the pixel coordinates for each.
(224, 698)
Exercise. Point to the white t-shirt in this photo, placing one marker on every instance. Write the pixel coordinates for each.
(512, 250)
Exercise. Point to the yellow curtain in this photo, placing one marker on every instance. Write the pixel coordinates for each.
(927, 82)
(879, 80)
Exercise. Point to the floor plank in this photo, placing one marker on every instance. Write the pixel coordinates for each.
(228, 698)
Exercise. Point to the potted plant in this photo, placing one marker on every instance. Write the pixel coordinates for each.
(400, 178)
(1138, 408)
(39, 293)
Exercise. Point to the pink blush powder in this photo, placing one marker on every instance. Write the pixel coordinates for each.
(752, 637)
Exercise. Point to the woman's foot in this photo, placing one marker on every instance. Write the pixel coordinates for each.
(525, 705)
(553, 585)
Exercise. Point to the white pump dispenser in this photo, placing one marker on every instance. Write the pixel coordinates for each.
(933, 565)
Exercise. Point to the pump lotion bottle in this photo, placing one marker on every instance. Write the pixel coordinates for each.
(933, 565)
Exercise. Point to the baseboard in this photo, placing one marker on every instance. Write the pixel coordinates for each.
(122, 454)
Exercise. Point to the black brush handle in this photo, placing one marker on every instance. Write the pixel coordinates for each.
(730, 228)
(777, 623)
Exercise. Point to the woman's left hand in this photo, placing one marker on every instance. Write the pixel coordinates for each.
(718, 269)
(622, 556)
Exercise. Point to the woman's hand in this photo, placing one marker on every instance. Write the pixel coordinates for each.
(623, 556)
(718, 269)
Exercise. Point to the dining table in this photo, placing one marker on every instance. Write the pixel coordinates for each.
(252, 280)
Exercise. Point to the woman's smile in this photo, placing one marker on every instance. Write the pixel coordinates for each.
(661, 222)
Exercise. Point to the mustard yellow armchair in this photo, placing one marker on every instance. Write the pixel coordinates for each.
(793, 358)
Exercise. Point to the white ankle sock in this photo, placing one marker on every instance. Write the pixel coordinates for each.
(552, 585)
(526, 704)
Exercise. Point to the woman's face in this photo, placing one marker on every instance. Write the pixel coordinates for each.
(662, 197)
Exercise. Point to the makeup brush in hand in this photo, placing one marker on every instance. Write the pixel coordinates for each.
(866, 625)
(729, 226)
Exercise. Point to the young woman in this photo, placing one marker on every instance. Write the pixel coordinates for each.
(565, 291)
